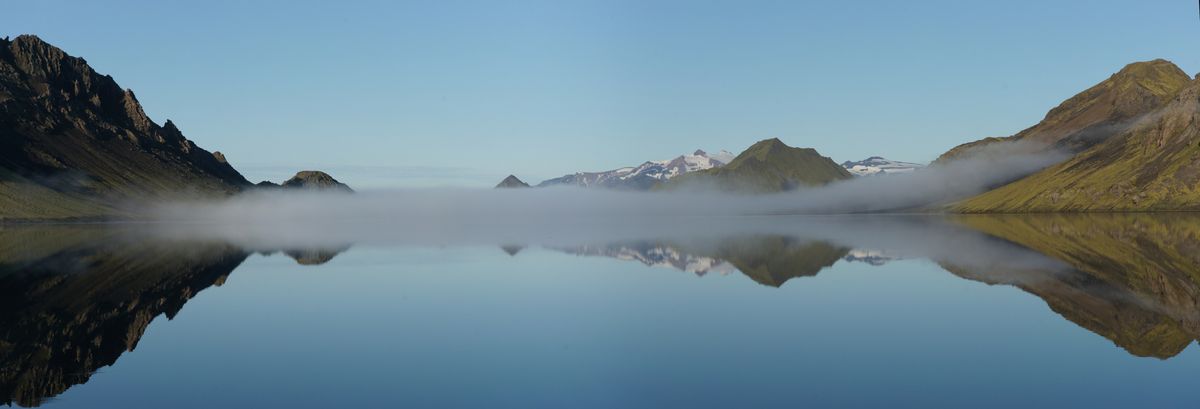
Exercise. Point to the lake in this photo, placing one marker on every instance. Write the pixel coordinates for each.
(754, 311)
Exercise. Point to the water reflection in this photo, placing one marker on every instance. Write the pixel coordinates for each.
(73, 299)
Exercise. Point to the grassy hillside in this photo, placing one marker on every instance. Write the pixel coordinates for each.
(1094, 115)
(1136, 278)
(1152, 165)
(767, 166)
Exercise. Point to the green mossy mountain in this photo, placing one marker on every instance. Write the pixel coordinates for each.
(765, 167)
(1096, 114)
(1132, 278)
(72, 140)
(1152, 164)
(315, 180)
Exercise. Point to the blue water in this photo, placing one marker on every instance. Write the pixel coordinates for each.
(472, 326)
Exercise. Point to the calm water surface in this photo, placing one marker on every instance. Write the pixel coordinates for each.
(1044, 311)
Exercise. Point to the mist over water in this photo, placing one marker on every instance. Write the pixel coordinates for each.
(568, 215)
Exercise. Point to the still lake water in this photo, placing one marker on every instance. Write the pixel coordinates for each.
(785, 311)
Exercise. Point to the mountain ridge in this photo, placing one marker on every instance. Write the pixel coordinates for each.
(1095, 114)
(767, 166)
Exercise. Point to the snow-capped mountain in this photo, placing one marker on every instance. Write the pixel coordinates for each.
(646, 175)
(872, 257)
(656, 255)
(877, 165)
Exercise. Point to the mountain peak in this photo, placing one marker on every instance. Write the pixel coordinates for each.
(315, 180)
(512, 181)
(700, 152)
(1092, 116)
(768, 166)
(765, 146)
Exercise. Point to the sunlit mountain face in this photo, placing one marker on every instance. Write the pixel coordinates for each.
(77, 300)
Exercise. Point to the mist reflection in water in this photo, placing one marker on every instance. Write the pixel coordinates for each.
(73, 299)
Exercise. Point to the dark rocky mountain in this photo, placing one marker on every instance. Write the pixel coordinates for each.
(74, 299)
(511, 182)
(767, 166)
(71, 139)
(315, 180)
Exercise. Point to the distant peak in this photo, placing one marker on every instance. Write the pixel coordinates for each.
(315, 180)
(700, 152)
(770, 143)
(510, 182)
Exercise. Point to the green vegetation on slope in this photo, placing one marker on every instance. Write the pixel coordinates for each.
(1094, 115)
(765, 167)
(1153, 165)
(1137, 278)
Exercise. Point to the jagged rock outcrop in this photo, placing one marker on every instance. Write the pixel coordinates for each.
(73, 299)
(71, 140)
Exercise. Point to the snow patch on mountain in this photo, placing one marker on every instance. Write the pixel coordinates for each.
(877, 165)
(647, 174)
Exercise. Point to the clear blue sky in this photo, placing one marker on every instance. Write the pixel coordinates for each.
(463, 93)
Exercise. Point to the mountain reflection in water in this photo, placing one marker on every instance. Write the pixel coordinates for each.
(73, 299)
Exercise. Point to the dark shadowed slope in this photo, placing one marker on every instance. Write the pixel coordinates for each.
(73, 299)
(72, 141)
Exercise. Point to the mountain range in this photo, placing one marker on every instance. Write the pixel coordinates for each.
(767, 166)
(73, 142)
(644, 176)
(878, 165)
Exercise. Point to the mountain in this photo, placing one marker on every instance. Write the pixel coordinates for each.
(511, 182)
(656, 254)
(72, 140)
(877, 165)
(1152, 163)
(767, 166)
(769, 260)
(1132, 278)
(315, 180)
(1094, 115)
(74, 298)
(644, 176)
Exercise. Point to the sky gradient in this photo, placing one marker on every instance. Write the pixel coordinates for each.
(463, 93)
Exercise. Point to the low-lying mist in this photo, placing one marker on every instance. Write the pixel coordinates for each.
(921, 191)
